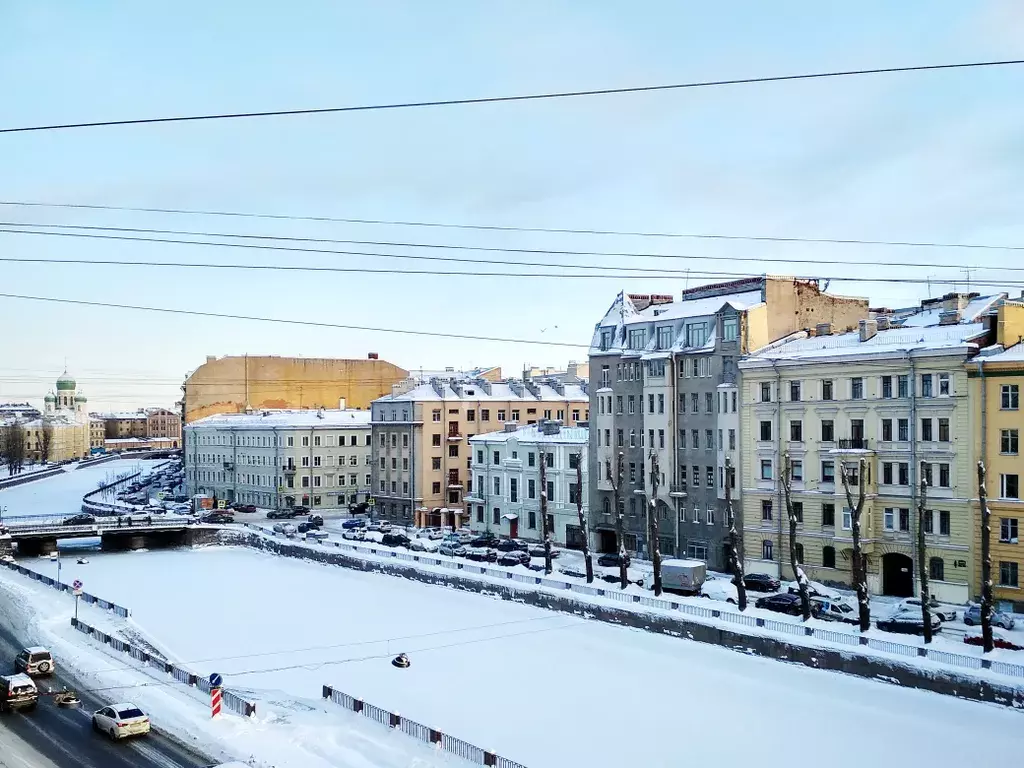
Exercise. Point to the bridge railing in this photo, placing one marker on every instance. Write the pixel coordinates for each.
(161, 522)
(49, 581)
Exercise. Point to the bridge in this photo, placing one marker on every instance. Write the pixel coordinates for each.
(39, 535)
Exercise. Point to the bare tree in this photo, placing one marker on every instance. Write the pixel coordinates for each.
(548, 568)
(584, 523)
(922, 566)
(735, 543)
(45, 441)
(860, 571)
(794, 561)
(620, 524)
(13, 446)
(652, 524)
(986, 562)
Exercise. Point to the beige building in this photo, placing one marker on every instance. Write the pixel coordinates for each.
(63, 432)
(97, 434)
(894, 394)
(145, 424)
(421, 432)
(235, 384)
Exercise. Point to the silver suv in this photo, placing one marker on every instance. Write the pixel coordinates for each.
(35, 661)
(17, 692)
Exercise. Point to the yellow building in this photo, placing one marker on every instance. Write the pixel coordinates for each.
(234, 384)
(996, 386)
(64, 431)
(893, 394)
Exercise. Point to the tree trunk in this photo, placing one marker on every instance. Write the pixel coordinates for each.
(860, 576)
(620, 523)
(584, 523)
(544, 512)
(986, 562)
(45, 440)
(735, 543)
(922, 564)
(798, 572)
(652, 524)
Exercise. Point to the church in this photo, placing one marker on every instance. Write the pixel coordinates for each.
(63, 431)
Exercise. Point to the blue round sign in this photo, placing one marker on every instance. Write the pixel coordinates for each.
(216, 680)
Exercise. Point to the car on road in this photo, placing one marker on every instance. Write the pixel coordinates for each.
(814, 589)
(761, 582)
(611, 560)
(512, 545)
(353, 535)
(306, 526)
(418, 545)
(514, 557)
(315, 534)
(944, 612)
(395, 540)
(784, 603)
(484, 540)
(119, 721)
(482, 554)
(279, 527)
(35, 661)
(316, 520)
(379, 526)
(301, 509)
(354, 522)
(827, 609)
(17, 692)
(537, 550)
(972, 616)
(82, 519)
(452, 549)
(218, 518)
(247, 508)
(288, 513)
(907, 622)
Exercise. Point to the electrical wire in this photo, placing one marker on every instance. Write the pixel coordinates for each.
(500, 228)
(527, 97)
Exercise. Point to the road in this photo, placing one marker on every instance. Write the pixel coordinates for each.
(53, 737)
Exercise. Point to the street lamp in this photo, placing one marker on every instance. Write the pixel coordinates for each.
(55, 556)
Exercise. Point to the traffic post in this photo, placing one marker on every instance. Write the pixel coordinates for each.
(216, 682)
(76, 585)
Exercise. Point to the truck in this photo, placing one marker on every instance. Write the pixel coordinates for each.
(201, 502)
(684, 576)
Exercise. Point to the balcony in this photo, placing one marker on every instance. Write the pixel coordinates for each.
(288, 469)
(229, 466)
(677, 490)
(454, 434)
(453, 479)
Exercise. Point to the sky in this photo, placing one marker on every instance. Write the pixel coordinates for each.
(925, 156)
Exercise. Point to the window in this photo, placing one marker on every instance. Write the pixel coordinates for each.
(904, 519)
(496, 457)
(619, 441)
(709, 439)
(435, 439)
(937, 569)
(1008, 530)
(943, 475)
(796, 431)
(485, 414)
(943, 385)
(828, 431)
(887, 387)
(515, 412)
(531, 520)
(944, 430)
(926, 473)
(618, 403)
(709, 477)
(1007, 574)
(732, 439)
(799, 552)
(904, 473)
(435, 488)
(847, 519)
(766, 431)
(886, 430)
(857, 388)
(794, 391)
(513, 490)
(549, 459)
(828, 557)
(637, 338)
(889, 518)
(696, 513)
(730, 330)
(766, 469)
(732, 401)
(531, 490)
(766, 550)
(903, 430)
(928, 521)
(887, 473)
(926, 385)
(709, 402)
(1008, 441)
(796, 469)
(766, 392)
(305, 441)
(664, 337)
(798, 511)
(1008, 486)
(650, 437)
(453, 451)
(632, 472)
(943, 522)
(828, 515)
(632, 438)
(497, 485)
(828, 472)
(694, 402)
(631, 401)
(926, 430)
(1009, 399)
(695, 475)
(766, 510)
(696, 334)
(826, 390)
(694, 439)
(661, 403)
(661, 438)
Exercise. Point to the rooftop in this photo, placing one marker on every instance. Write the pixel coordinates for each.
(534, 434)
(1014, 354)
(500, 391)
(308, 418)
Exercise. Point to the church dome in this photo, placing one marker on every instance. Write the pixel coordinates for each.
(80, 398)
(50, 398)
(65, 382)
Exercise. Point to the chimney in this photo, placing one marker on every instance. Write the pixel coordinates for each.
(949, 317)
(511, 426)
(883, 322)
(320, 412)
(868, 329)
(823, 329)
(550, 427)
(211, 358)
(372, 356)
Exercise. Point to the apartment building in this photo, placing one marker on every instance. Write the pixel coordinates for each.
(506, 468)
(421, 433)
(143, 424)
(894, 394)
(665, 385)
(996, 380)
(277, 459)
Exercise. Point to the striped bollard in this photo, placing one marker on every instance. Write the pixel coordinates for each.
(216, 681)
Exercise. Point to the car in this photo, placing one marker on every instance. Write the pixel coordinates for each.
(972, 616)
(248, 508)
(814, 589)
(907, 622)
(435, 534)
(784, 603)
(537, 550)
(395, 540)
(761, 582)
(315, 534)
(279, 527)
(35, 661)
(306, 526)
(514, 557)
(301, 509)
(18, 692)
(353, 535)
(316, 520)
(354, 522)
(827, 609)
(512, 545)
(287, 513)
(79, 520)
(720, 589)
(217, 517)
(417, 545)
(119, 721)
(482, 554)
(935, 607)
(611, 560)
(484, 540)
(452, 549)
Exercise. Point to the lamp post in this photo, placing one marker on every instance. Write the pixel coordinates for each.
(56, 556)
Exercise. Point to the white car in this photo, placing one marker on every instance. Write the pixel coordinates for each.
(119, 721)
(936, 608)
(417, 545)
(720, 589)
(353, 535)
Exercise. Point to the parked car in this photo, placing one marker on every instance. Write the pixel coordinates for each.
(514, 557)
(946, 613)
(452, 549)
(827, 609)
(435, 534)
(249, 508)
(282, 514)
(720, 589)
(482, 554)
(511, 545)
(354, 522)
(218, 517)
(381, 526)
(279, 527)
(353, 535)
(537, 550)
(18, 692)
(301, 509)
(315, 534)
(814, 589)
(289, 530)
(972, 616)
(611, 560)
(35, 661)
(79, 520)
(907, 622)
(485, 540)
(316, 520)
(306, 526)
(395, 540)
(417, 545)
(119, 721)
(784, 603)
(761, 582)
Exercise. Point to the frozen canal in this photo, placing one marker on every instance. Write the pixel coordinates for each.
(542, 688)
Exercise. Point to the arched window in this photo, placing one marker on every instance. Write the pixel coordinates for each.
(937, 569)
(828, 557)
(800, 553)
(606, 506)
(766, 550)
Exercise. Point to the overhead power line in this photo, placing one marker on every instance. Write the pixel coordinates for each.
(527, 97)
(500, 228)
(37, 228)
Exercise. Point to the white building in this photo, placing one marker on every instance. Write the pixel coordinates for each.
(507, 466)
(281, 458)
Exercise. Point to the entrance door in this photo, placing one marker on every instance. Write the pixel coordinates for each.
(513, 528)
(897, 575)
(606, 543)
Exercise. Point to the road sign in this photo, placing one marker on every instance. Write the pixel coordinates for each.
(371, 501)
(76, 584)
(216, 681)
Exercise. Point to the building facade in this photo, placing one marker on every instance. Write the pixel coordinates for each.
(143, 424)
(506, 470)
(97, 434)
(893, 395)
(421, 455)
(62, 433)
(996, 379)
(665, 388)
(278, 459)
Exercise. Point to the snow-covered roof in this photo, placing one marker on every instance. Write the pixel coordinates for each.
(534, 434)
(1014, 354)
(304, 419)
(972, 313)
(501, 391)
(121, 415)
(694, 308)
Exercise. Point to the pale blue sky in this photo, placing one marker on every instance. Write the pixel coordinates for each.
(917, 156)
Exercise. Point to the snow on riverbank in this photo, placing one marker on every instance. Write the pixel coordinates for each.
(505, 676)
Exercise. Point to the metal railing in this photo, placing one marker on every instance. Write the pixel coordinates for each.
(106, 605)
(424, 733)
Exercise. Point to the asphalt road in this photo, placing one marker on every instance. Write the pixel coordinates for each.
(63, 738)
